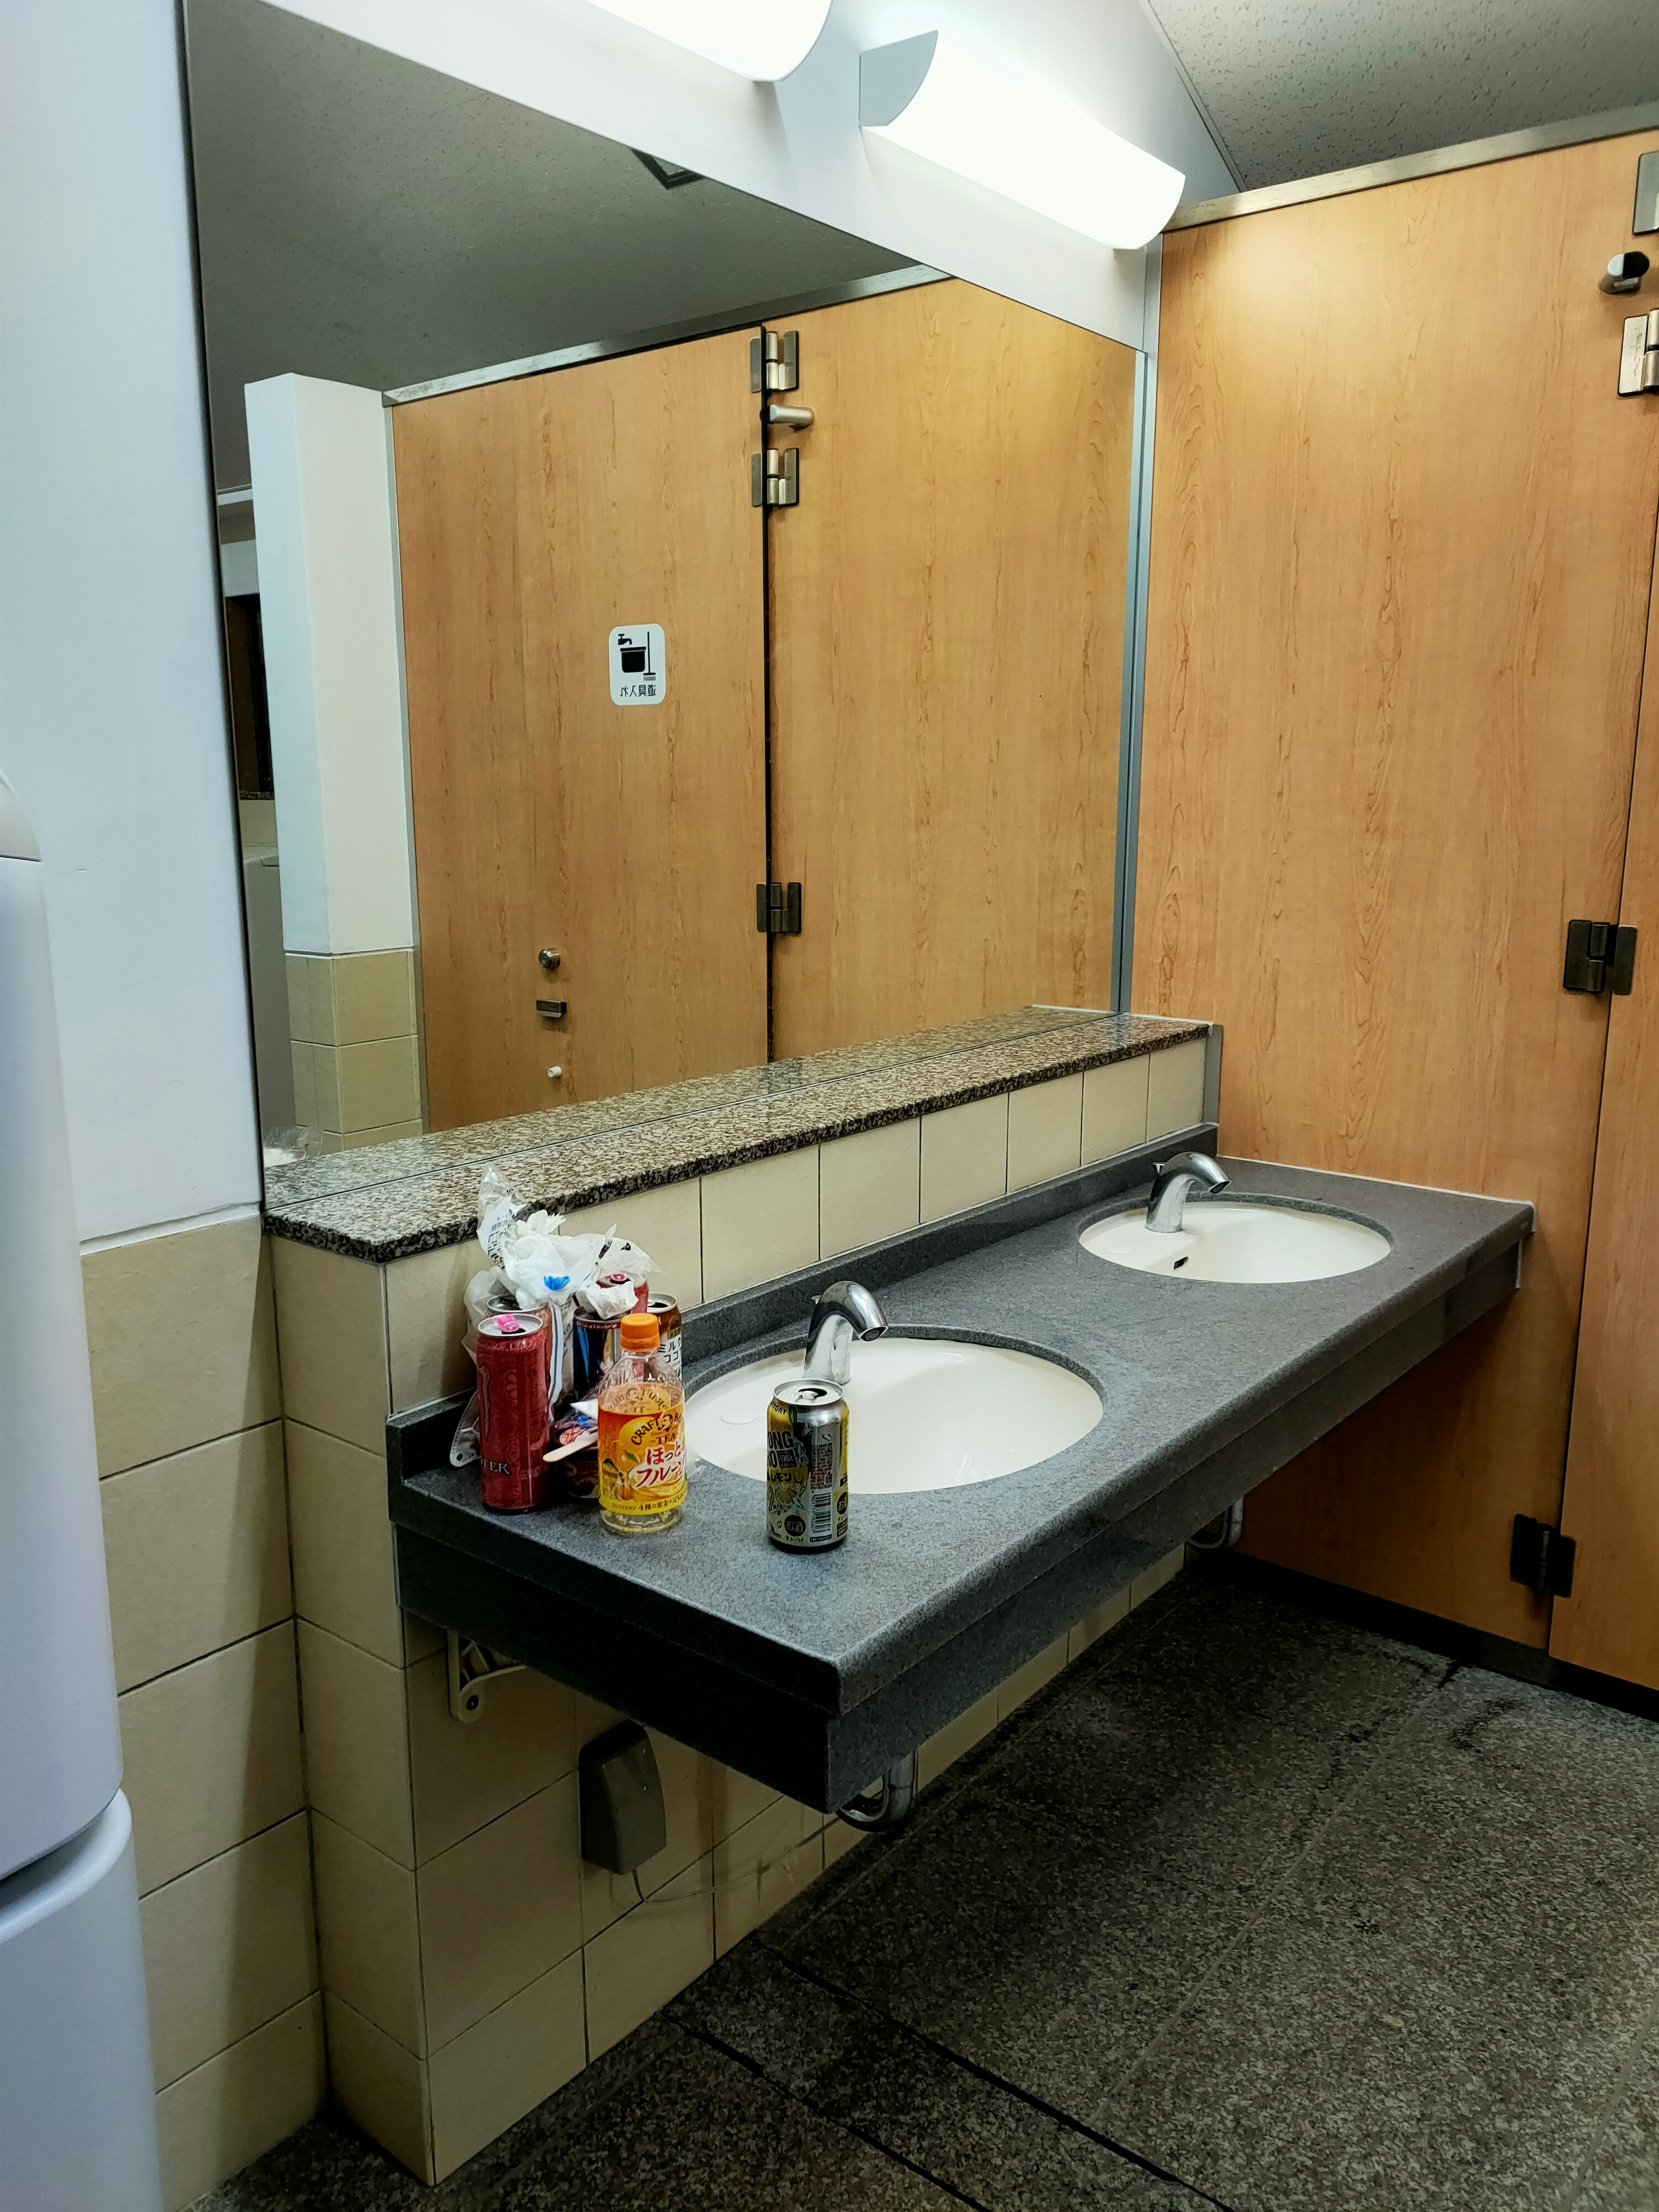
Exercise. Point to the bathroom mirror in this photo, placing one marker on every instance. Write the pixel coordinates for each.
(595, 734)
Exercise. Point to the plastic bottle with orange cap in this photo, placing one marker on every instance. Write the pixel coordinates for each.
(642, 1411)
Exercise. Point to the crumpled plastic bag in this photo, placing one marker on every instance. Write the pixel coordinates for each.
(533, 1265)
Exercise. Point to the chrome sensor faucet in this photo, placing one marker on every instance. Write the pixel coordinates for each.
(842, 1312)
(1175, 1183)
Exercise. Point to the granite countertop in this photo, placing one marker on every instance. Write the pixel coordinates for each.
(1183, 1368)
(389, 1201)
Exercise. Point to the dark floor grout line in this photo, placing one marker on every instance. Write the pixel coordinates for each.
(753, 2066)
(994, 2081)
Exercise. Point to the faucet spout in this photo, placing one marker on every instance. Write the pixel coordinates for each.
(842, 1312)
(1174, 1184)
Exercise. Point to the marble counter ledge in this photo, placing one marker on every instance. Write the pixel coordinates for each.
(427, 1207)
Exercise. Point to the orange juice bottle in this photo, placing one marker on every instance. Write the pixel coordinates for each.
(641, 1434)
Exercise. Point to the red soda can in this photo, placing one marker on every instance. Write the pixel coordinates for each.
(514, 1351)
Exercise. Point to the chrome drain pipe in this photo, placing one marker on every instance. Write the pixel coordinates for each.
(887, 1801)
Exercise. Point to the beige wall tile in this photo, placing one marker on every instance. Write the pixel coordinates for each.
(505, 2066)
(181, 1340)
(356, 1742)
(1145, 1586)
(425, 1322)
(320, 999)
(1115, 1108)
(1025, 1681)
(769, 1860)
(378, 1083)
(213, 2122)
(839, 1839)
(466, 1773)
(1045, 1131)
(373, 996)
(759, 1221)
(965, 1157)
(330, 1324)
(955, 1737)
(382, 2086)
(197, 1550)
(299, 996)
(500, 1910)
(667, 1224)
(303, 1056)
(211, 1754)
(687, 1803)
(344, 1578)
(325, 1086)
(393, 1133)
(869, 1187)
(1095, 1622)
(649, 1956)
(1175, 1087)
(228, 1946)
(368, 1932)
(735, 1798)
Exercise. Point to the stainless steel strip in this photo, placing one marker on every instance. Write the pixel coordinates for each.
(1540, 138)
(1137, 584)
(701, 326)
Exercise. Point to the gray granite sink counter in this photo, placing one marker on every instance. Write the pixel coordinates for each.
(390, 1201)
(1185, 1370)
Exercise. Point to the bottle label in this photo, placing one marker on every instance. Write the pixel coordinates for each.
(642, 1461)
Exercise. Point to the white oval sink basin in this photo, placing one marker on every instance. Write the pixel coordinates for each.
(1220, 1242)
(923, 1413)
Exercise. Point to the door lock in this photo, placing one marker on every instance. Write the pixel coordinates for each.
(548, 958)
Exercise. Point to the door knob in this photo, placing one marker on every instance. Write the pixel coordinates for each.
(548, 958)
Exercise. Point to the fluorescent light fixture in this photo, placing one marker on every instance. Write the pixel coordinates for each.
(760, 38)
(990, 123)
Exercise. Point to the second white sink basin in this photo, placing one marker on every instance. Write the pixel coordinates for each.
(1222, 1242)
(923, 1413)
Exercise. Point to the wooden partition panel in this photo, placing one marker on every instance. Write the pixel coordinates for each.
(1403, 540)
(947, 637)
(534, 517)
(1611, 1621)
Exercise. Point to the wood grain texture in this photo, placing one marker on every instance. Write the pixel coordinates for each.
(1611, 1622)
(1401, 544)
(534, 517)
(947, 634)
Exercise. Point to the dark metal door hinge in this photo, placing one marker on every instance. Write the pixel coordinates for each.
(774, 478)
(774, 362)
(777, 910)
(1601, 956)
(1541, 1558)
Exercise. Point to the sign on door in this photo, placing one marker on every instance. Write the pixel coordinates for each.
(639, 666)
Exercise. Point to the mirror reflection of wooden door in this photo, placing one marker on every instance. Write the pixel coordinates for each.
(946, 608)
(1394, 648)
(534, 517)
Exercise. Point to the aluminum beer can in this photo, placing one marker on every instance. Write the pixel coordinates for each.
(594, 1344)
(513, 1358)
(668, 1331)
(806, 1467)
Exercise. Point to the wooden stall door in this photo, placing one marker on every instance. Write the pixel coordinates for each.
(947, 607)
(533, 518)
(1402, 541)
(1611, 1621)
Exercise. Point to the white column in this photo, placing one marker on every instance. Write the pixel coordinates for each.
(322, 505)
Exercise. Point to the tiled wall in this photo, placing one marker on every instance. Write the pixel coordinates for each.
(185, 1391)
(471, 1963)
(357, 1065)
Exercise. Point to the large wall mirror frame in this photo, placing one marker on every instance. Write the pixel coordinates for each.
(677, 649)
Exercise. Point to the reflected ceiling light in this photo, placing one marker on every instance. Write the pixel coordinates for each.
(760, 38)
(987, 122)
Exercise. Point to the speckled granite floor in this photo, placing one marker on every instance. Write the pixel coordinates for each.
(1247, 1908)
